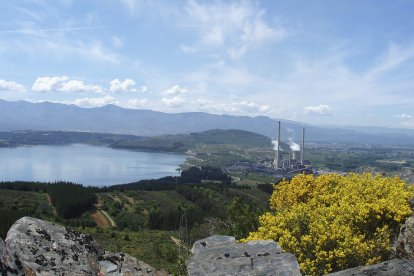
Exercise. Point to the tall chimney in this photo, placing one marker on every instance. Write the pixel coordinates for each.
(303, 146)
(278, 147)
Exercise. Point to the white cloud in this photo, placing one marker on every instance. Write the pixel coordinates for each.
(173, 102)
(235, 26)
(236, 108)
(409, 123)
(131, 5)
(11, 86)
(117, 42)
(44, 44)
(403, 116)
(96, 102)
(94, 50)
(203, 102)
(187, 49)
(63, 84)
(137, 103)
(79, 86)
(127, 85)
(144, 89)
(46, 84)
(395, 57)
(174, 90)
(322, 109)
(251, 107)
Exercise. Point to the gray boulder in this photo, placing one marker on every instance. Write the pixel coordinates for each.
(122, 264)
(389, 268)
(222, 255)
(37, 247)
(404, 246)
(50, 249)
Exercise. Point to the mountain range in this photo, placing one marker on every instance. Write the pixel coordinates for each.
(23, 115)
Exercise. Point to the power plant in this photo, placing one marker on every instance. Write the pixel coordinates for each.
(292, 162)
(284, 164)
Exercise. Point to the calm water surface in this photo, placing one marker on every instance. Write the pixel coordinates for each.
(88, 165)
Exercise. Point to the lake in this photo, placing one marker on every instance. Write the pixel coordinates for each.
(84, 164)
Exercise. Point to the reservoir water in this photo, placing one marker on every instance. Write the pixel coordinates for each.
(84, 164)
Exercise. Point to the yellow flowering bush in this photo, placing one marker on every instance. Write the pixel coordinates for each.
(333, 222)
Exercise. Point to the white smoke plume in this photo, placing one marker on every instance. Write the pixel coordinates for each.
(293, 145)
(274, 143)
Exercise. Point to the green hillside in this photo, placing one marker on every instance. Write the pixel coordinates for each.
(182, 142)
(145, 218)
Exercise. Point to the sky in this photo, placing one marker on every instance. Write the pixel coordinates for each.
(320, 62)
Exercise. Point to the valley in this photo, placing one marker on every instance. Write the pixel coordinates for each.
(218, 190)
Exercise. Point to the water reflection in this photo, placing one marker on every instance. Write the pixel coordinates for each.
(88, 165)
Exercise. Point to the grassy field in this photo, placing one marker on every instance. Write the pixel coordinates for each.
(15, 204)
(151, 246)
(261, 198)
(32, 202)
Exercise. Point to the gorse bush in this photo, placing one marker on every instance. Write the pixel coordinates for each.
(334, 222)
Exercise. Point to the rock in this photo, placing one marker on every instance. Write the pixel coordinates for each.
(389, 268)
(404, 246)
(221, 255)
(123, 264)
(37, 247)
(51, 249)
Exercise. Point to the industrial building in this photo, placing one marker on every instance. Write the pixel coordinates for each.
(293, 160)
(285, 164)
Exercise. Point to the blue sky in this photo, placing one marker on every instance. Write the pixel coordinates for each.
(321, 62)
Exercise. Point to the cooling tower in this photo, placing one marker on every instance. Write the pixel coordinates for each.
(303, 146)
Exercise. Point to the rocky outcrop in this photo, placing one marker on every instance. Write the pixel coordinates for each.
(404, 246)
(37, 247)
(389, 268)
(221, 255)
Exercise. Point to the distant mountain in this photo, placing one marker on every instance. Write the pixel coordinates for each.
(24, 115)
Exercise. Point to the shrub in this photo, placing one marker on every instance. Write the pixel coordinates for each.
(334, 222)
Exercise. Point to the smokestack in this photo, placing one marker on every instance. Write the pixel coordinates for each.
(294, 155)
(278, 147)
(303, 146)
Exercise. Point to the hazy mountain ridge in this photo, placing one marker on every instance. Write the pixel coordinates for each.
(24, 115)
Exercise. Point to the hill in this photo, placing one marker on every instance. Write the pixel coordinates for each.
(22, 115)
(183, 142)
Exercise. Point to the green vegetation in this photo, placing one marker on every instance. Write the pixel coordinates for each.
(141, 217)
(16, 204)
(71, 200)
(151, 246)
(184, 142)
(146, 214)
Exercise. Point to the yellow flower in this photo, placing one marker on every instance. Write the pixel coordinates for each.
(334, 222)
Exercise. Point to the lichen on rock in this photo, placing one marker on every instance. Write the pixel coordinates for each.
(222, 255)
(38, 247)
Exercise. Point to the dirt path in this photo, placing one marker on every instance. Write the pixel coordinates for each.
(49, 200)
(108, 217)
(100, 219)
(179, 242)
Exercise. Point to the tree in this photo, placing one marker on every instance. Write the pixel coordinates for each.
(241, 219)
(334, 222)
